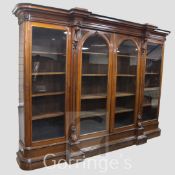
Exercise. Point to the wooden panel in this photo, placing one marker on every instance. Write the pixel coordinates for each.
(21, 84)
(27, 83)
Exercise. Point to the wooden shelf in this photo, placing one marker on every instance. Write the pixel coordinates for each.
(127, 56)
(48, 73)
(95, 53)
(49, 115)
(151, 89)
(151, 73)
(124, 94)
(94, 75)
(147, 104)
(89, 114)
(48, 53)
(126, 75)
(122, 109)
(47, 94)
(94, 96)
(153, 58)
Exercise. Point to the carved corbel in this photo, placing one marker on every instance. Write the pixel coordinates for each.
(74, 153)
(76, 38)
(24, 17)
(139, 122)
(143, 49)
(141, 137)
(73, 139)
(144, 43)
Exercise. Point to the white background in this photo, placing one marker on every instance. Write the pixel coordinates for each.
(155, 157)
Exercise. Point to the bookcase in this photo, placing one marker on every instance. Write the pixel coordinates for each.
(88, 84)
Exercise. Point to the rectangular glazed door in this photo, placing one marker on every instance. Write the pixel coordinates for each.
(48, 81)
(94, 82)
(126, 84)
(152, 82)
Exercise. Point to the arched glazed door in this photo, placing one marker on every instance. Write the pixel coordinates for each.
(94, 96)
(126, 84)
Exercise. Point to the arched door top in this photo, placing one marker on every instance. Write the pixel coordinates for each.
(94, 35)
(94, 101)
(128, 47)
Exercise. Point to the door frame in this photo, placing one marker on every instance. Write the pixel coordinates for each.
(28, 83)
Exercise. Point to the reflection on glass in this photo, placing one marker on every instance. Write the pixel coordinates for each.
(48, 83)
(94, 85)
(152, 82)
(127, 59)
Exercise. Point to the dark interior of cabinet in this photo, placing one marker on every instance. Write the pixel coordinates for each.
(93, 104)
(94, 85)
(149, 112)
(125, 102)
(94, 63)
(48, 83)
(92, 124)
(47, 104)
(48, 63)
(92, 115)
(147, 99)
(48, 40)
(127, 65)
(124, 119)
(150, 105)
(153, 65)
(48, 128)
(126, 84)
(152, 80)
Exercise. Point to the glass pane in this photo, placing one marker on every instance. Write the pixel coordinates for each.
(48, 83)
(123, 119)
(48, 128)
(94, 85)
(126, 77)
(152, 81)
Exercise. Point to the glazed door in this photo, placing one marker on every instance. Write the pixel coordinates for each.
(150, 106)
(48, 74)
(94, 95)
(125, 77)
